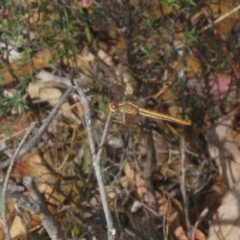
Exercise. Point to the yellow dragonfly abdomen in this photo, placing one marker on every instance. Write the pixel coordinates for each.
(133, 109)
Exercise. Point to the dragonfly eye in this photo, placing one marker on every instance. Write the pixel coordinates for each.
(112, 107)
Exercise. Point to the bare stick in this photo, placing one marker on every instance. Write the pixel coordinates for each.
(183, 186)
(96, 158)
(20, 152)
(183, 162)
(41, 130)
(221, 18)
(199, 220)
(48, 221)
(225, 50)
(5, 184)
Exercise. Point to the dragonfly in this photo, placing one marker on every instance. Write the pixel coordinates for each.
(132, 109)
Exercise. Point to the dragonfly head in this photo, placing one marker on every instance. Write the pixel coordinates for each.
(113, 106)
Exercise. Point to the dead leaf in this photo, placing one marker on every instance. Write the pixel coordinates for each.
(46, 91)
(17, 230)
(41, 59)
(33, 165)
(226, 221)
(220, 8)
(85, 3)
(165, 209)
(223, 149)
(170, 98)
(192, 66)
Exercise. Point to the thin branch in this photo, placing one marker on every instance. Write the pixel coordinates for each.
(223, 45)
(104, 137)
(87, 113)
(20, 152)
(48, 221)
(41, 130)
(96, 158)
(183, 161)
(8, 65)
(199, 220)
(148, 165)
(221, 18)
(5, 184)
(183, 186)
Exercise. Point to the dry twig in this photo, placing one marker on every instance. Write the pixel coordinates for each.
(96, 158)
